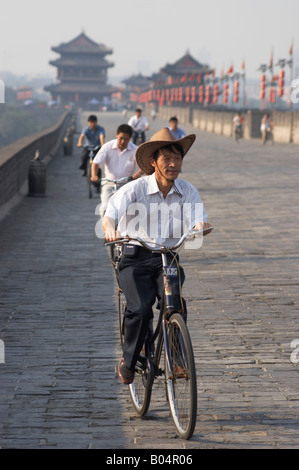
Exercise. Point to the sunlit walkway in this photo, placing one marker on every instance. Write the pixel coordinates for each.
(58, 319)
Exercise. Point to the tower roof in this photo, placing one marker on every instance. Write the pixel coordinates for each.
(82, 44)
(186, 64)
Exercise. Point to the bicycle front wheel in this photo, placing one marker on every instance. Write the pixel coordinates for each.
(181, 381)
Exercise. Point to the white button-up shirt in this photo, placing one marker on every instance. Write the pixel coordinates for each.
(117, 164)
(138, 124)
(139, 209)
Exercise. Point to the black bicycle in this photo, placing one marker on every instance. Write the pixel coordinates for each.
(90, 185)
(170, 340)
(238, 132)
(138, 137)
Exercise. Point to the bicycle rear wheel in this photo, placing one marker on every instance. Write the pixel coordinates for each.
(181, 384)
(141, 389)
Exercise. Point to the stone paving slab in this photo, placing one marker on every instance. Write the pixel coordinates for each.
(58, 317)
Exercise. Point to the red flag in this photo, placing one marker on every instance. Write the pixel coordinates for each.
(291, 49)
(230, 70)
(184, 78)
(243, 65)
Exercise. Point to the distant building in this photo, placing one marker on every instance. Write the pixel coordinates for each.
(23, 93)
(186, 68)
(82, 73)
(179, 83)
(134, 85)
(137, 82)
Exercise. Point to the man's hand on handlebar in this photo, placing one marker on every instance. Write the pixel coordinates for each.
(94, 173)
(109, 228)
(203, 226)
(94, 179)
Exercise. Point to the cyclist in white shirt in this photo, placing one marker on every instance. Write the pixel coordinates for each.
(139, 125)
(118, 159)
(140, 273)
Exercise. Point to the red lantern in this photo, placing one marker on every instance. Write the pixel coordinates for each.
(193, 94)
(281, 83)
(207, 97)
(200, 94)
(215, 94)
(225, 93)
(236, 92)
(187, 98)
(272, 95)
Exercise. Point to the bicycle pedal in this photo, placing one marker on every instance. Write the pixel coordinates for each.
(141, 364)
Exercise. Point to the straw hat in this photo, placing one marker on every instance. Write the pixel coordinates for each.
(163, 137)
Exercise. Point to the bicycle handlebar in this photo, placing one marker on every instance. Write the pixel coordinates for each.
(121, 180)
(93, 147)
(190, 234)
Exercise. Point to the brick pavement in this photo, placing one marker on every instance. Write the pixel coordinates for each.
(58, 388)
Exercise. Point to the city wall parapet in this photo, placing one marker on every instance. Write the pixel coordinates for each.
(16, 157)
(286, 123)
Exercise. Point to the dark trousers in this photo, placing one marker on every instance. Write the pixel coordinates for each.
(84, 159)
(136, 135)
(141, 280)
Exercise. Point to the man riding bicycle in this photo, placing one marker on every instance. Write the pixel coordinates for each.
(266, 128)
(118, 158)
(92, 136)
(173, 127)
(238, 125)
(139, 125)
(140, 271)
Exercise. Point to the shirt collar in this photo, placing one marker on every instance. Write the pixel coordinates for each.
(154, 188)
(152, 184)
(115, 146)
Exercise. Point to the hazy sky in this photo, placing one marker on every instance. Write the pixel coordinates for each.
(147, 34)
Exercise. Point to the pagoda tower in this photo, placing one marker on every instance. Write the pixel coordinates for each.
(185, 66)
(81, 72)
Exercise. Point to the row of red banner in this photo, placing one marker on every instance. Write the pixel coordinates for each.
(208, 94)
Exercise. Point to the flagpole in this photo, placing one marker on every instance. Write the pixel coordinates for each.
(270, 67)
(244, 85)
(291, 63)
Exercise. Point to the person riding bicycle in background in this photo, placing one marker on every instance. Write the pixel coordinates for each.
(92, 136)
(238, 124)
(139, 125)
(118, 159)
(140, 274)
(266, 128)
(173, 127)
